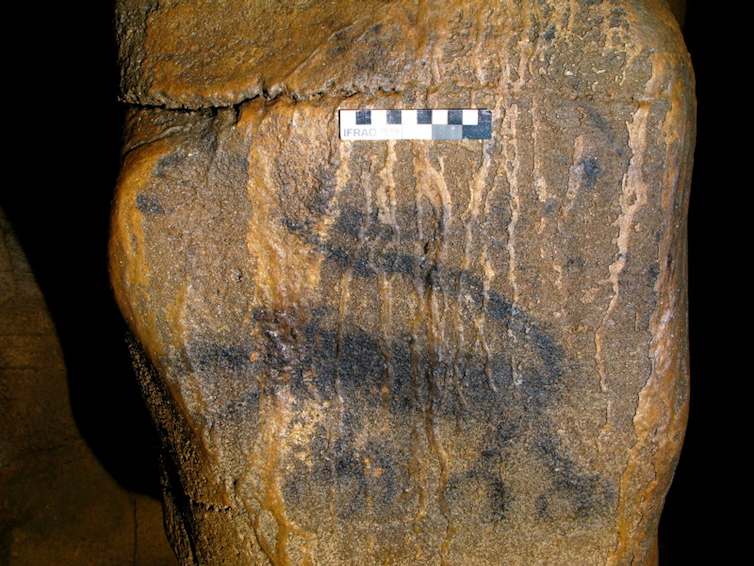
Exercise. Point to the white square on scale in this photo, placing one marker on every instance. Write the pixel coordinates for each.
(347, 118)
(440, 117)
(379, 117)
(470, 117)
(408, 117)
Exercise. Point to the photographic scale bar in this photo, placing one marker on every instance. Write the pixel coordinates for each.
(470, 124)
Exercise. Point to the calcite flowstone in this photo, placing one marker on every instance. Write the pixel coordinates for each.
(408, 352)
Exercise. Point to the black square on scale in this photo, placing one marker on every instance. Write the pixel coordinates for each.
(393, 116)
(363, 117)
(455, 116)
(423, 116)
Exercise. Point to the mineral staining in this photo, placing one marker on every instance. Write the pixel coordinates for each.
(438, 352)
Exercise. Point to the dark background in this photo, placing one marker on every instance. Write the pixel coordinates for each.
(64, 131)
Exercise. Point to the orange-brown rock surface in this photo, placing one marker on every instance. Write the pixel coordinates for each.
(408, 352)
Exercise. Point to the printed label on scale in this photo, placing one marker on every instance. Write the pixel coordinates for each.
(415, 125)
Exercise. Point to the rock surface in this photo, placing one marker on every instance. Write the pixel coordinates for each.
(58, 505)
(408, 352)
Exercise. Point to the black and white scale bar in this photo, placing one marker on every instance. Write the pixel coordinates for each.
(415, 124)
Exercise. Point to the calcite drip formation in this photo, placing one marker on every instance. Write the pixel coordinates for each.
(408, 352)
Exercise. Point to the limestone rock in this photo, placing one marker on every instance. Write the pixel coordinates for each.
(408, 352)
(58, 505)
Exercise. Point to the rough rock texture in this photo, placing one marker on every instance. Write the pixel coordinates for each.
(58, 505)
(408, 352)
(679, 10)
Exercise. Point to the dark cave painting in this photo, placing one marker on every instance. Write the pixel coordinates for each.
(470, 409)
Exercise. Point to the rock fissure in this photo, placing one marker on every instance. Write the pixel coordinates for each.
(434, 348)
